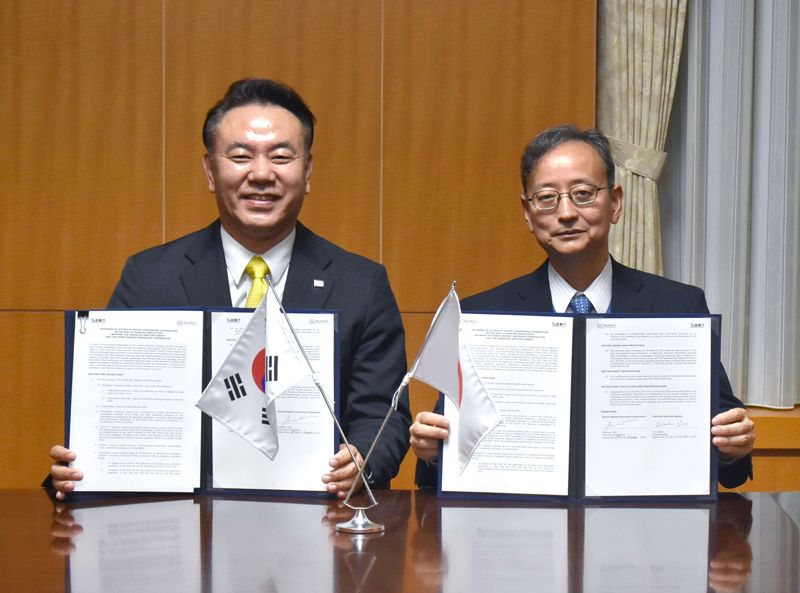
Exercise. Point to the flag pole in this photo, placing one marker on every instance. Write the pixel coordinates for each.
(395, 398)
(392, 408)
(360, 523)
(316, 380)
(352, 526)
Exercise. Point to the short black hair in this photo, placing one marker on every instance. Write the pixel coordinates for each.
(259, 91)
(553, 137)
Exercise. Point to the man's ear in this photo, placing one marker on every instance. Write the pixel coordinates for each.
(616, 203)
(309, 167)
(209, 174)
(526, 211)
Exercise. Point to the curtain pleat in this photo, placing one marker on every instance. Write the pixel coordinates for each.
(639, 47)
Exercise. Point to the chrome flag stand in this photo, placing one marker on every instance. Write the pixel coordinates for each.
(360, 523)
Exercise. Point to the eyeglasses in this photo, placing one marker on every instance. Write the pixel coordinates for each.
(547, 199)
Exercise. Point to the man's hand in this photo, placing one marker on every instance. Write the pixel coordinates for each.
(63, 475)
(733, 433)
(426, 432)
(343, 471)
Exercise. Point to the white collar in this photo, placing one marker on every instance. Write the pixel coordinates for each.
(237, 256)
(598, 292)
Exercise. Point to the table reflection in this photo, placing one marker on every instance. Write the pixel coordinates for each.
(375, 563)
(694, 547)
(731, 555)
(150, 546)
(230, 544)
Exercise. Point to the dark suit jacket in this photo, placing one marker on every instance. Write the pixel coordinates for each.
(632, 292)
(191, 271)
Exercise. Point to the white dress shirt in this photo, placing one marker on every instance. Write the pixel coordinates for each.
(237, 256)
(598, 292)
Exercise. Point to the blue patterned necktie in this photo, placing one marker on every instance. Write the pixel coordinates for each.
(581, 305)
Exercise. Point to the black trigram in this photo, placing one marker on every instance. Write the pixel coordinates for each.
(235, 387)
(272, 368)
(264, 419)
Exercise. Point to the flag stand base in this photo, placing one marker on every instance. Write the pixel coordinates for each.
(360, 523)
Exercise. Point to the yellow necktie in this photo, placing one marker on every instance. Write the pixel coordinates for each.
(257, 269)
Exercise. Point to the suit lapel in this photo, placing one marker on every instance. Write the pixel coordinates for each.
(627, 291)
(311, 273)
(627, 294)
(205, 279)
(535, 293)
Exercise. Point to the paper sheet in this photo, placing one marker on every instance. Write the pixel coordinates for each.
(136, 377)
(648, 406)
(525, 363)
(305, 427)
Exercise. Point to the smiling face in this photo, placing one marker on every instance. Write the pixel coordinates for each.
(574, 237)
(259, 170)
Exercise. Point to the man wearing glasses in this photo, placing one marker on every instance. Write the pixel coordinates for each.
(569, 202)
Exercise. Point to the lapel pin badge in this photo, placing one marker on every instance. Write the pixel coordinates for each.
(319, 284)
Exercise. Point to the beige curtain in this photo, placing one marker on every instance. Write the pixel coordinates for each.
(639, 48)
(735, 163)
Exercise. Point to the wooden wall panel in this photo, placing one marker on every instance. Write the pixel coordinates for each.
(467, 84)
(32, 367)
(423, 110)
(80, 106)
(329, 51)
(776, 458)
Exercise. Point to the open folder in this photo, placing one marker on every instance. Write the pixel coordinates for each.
(133, 378)
(592, 407)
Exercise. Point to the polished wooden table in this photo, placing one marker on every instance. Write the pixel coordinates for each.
(265, 544)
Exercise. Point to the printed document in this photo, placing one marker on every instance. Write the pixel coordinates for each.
(306, 431)
(525, 363)
(648, 406)
(136, 376)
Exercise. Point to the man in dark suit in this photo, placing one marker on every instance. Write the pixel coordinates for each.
(258, 164)
(569, 203)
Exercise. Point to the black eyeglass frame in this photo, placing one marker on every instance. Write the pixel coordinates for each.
(559, 195)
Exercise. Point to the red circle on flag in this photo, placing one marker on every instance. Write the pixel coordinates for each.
(460, 384)
(260, 370)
